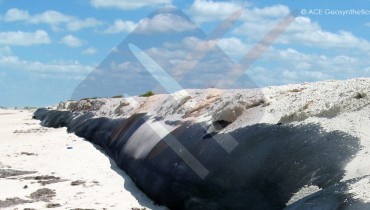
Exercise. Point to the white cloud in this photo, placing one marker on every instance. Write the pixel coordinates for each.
(75, 70)
(306, 75)
(197, 45)
(233, 47)
(53, 18)
(299, 60)
(16, 63)
(15, 14)
(271, 12)
(127, 66)
(128, 4)
(304, 31)
(258, 22)
(72, 41)
(191, 53)
(165, 22)
(291, 66)
(21, 38)
(77, 24)
(207, 10)
(324, 39)
(303, 24)
(162, 22)
(90, 51)
(121, 26)
(50, 17)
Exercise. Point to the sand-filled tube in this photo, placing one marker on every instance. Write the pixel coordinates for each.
(269, 164)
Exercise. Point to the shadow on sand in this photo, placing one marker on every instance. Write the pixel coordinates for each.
(129, 185)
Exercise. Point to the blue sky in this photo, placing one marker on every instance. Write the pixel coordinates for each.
(47, 50)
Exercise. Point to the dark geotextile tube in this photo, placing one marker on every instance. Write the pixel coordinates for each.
(270, 163)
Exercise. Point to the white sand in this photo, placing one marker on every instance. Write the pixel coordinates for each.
(106, 186)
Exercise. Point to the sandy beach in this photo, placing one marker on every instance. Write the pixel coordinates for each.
(48, 168)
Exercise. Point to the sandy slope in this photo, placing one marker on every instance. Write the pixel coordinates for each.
(334, 105)
(26, 146)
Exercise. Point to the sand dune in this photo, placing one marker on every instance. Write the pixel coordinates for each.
(266, 148)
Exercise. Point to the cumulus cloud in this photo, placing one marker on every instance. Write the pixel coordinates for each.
(21, 38)
(307, 75)
(77, 24)
(304, 31)
(69, 70)
(16, 15)
(128, 4)
(297, 60)
(270, 12)
(196, 44)
(282, 66)
(259, 21)
(14, 62)
(276, 66)
(256, 22)
(121, 26)
(51, 17)
(90, 51)
(162, 22)
(234, 47)
(189, 50)
(324, 39)
(72, 41)
(165, 22)
(191, 53)
(56, 69)
(207, 10)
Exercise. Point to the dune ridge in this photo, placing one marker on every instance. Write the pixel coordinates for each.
(286, 139)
